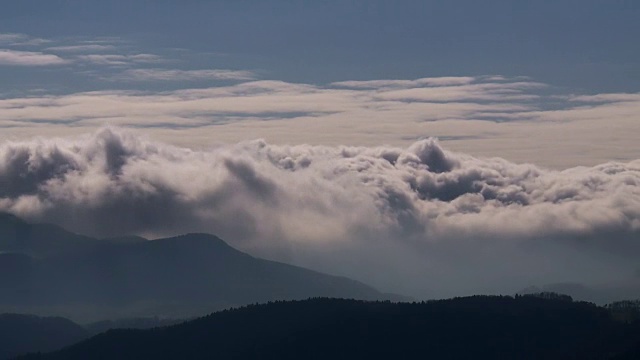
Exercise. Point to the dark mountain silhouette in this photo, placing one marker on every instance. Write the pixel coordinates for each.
(20, 334)
(480, 327)
(86, 279)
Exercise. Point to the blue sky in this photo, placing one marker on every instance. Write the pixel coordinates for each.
(586, 45)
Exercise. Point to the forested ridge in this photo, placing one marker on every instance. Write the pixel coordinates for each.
(478, 327)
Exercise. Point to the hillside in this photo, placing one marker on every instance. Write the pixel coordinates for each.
(46, 240)
(87, 279)
(40, 240)
(463, 328)
(27, 333)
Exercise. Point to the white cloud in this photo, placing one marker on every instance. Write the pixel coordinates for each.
(406, 219)
(375, 84)
(13, 39)
(480, 91)
(489, 118)
(183, 75)
(29, 58)
(121, 60)
(82, 48)
(606, 98)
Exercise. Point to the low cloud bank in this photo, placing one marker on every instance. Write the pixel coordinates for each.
(419, 220)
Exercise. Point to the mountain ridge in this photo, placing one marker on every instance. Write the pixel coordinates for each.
(179, 277)
(490, 327)
(28, 333)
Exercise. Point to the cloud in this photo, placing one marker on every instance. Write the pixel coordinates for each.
(375, 84)
(606, 98)
(29, 58)
(183, 75)
(120, 60)
(514, 118)
(481, 91)
(13, 39)
(82, 48)
(412, 219)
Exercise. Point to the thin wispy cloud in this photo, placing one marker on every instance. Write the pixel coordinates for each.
(83, 48)
(29, 58)
(481, 91)
(376, 84)
(183, 75)
(121, 60)
(12, 39)
(606, 98)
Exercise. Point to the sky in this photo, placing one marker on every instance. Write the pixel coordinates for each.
(432, 148)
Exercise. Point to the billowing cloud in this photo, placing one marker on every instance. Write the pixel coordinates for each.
(418, 219)
(29, 58)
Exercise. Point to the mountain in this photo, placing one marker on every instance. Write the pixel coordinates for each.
(602, 294)
(87, 279)
(27, 333)
(42, 240)
(477, 327)
(21, 334)
(132, 323)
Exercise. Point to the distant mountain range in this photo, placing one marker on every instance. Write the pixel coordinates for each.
(45, 269)
(21, 334)
(479, 327)
(596, 294)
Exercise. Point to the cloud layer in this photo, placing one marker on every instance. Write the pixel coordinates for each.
(515, 118)
(419, 219)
